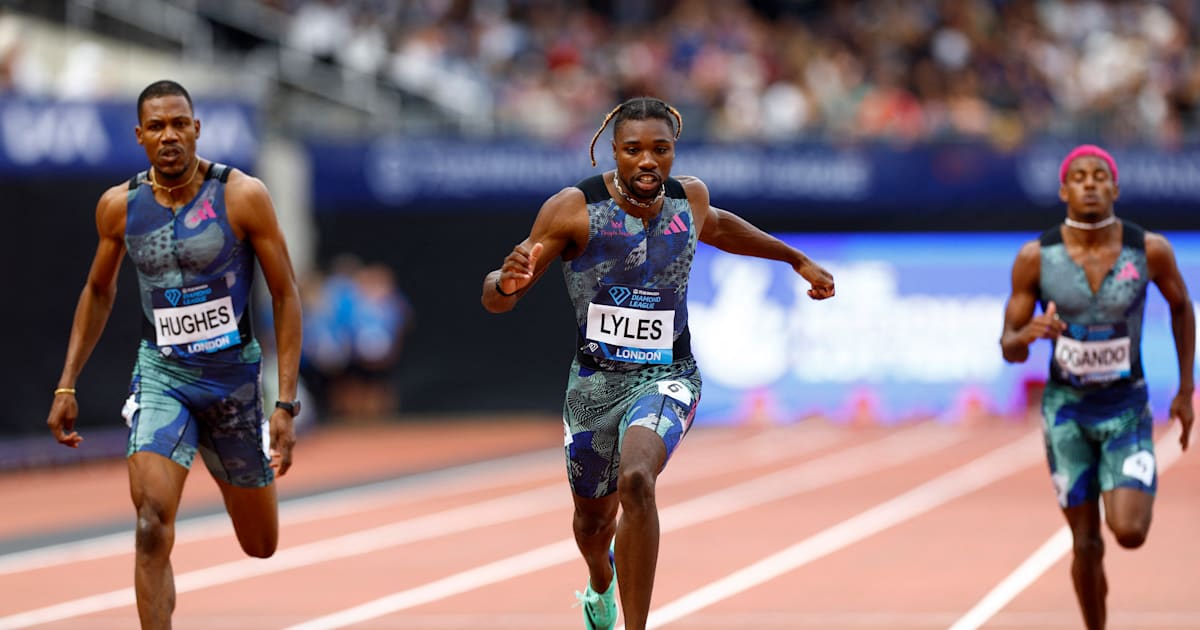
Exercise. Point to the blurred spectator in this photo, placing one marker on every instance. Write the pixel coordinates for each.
(835, 70)
(355, 321)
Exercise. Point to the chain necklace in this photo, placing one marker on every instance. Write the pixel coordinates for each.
(662, 190)
(170, 189)
(1084, 225)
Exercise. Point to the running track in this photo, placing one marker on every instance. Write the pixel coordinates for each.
(456, 524)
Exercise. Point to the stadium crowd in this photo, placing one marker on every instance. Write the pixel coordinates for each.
(894, 70)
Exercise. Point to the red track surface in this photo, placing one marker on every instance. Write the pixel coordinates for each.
(799, 526)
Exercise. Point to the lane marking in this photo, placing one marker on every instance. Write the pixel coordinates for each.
(984, 470)
(360, 498)
(824, 471)
(472, 477)
(1046, 556)
(451, 521)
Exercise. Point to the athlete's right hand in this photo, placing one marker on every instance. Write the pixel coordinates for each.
(1045, 326)
(63, 413)
(517, 271)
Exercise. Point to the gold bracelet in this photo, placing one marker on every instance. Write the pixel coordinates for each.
(65, 390)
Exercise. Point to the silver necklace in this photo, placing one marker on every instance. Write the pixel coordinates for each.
(1083, 225)
(662, 190)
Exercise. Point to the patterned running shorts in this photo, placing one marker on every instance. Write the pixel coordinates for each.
(1098, 440)
(600, 406)
(177, 408)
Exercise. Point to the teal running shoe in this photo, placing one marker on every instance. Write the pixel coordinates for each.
(600, 609)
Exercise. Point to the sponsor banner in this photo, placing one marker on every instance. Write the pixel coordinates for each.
(97, 137)
(913, 331)
(434, 174)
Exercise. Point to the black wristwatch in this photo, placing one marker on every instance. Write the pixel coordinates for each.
(290, 406)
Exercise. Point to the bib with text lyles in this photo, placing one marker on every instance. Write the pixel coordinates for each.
(1093, 354)
(199, 319)
(631, 324)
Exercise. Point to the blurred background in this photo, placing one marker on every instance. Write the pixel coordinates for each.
(909, 145)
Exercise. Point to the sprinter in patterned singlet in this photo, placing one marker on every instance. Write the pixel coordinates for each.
(1090, 276)
(193, 229)
(626, 240)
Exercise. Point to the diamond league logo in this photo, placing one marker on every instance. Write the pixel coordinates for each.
(619, 294)
(173, 296)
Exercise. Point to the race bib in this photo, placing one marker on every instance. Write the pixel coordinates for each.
(631, 324)
(199, 319)
(1088, 355)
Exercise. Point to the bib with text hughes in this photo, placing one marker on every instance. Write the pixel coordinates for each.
(198, 319)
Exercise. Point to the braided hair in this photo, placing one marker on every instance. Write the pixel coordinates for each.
(638, 108)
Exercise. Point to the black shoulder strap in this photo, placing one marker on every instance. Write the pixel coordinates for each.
(594, 189)
(1052, 236)
(137, 180)
(675, 189)
(219, 172)
(1133, 235)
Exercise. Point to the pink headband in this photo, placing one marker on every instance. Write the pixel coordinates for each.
(1086, 150)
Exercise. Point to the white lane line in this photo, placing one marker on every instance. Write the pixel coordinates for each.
(472, 477)
(455, 520)
(824, 471)
(972, 476)
(376, 495)
(1046, 556)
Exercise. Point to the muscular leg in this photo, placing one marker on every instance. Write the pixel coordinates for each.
(255, 516)
(1128, 513)
(1087, 565)
(155, 485)
(594, 523)
(642, 457)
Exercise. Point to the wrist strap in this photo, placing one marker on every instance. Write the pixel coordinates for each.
(501, 291)
(65, 390)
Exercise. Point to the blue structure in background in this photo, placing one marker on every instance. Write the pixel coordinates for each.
(914, 330)
(96, 138)
(870, 181)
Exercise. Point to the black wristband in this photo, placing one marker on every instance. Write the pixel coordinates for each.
(501, 291)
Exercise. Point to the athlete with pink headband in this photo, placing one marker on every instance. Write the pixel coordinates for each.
(1090, 275)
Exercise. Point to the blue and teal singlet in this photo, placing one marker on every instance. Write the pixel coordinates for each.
(629, 286)
(194, 274)
(1102, 344)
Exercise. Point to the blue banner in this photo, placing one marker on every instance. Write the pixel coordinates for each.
(413, 174)
(97, 137)
(914, 331)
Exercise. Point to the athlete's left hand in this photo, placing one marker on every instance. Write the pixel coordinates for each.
(1181, 409)
(821, 280)
(283, 438)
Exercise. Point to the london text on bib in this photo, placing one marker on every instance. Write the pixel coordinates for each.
(1093, 354)
(198, 319)
(631, 324)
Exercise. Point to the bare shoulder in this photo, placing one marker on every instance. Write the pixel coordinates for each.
(569, 198)
(1157, 244)
(564, 207)
(245, 188)
(1160, 256)
(692, 185)
(1030, 253)
(111, 209)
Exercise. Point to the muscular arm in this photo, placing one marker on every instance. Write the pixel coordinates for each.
(730, 233)
(560, 230)
(1021, 328)
(252, 215)
(92, 310)
(1164, 272)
